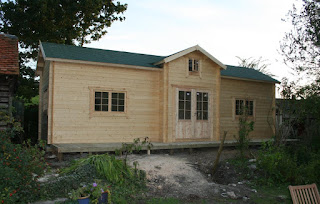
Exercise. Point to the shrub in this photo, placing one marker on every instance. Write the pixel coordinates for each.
(288, 165)
(64, 184)
(20, 166)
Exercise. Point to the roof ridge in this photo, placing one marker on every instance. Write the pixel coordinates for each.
(136, 53)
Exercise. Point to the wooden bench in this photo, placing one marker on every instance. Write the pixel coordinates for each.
(305, 194)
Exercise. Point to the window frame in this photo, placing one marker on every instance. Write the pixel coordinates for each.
(194, 69)
(244, 103)
(93, 112)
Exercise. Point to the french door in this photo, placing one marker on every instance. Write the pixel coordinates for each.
(193, 114)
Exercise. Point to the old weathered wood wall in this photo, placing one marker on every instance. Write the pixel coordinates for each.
(263, 95)
(71, 118)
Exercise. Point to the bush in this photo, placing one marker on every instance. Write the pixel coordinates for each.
(294, 165)
(20, 166)
(64, 184)
(126, 181)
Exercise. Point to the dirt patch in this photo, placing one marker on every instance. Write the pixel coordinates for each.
(188, 176)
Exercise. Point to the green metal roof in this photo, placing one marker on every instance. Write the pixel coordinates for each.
(247, 73)
(71, 52)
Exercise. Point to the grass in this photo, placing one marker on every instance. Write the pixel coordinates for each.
(270, 194)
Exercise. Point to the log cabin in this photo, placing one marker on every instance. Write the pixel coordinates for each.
(100, 97)
(9, 72)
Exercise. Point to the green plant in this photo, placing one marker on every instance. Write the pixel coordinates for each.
(245, 127)
(63, 184)
(128, 148)
(20, 165)
(81, 192)
(97, 188)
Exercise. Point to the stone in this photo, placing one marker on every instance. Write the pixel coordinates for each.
(232, 195)
(252, 160)
(254, 190)
(281, 197)
(53, 156)
(224, 195)
(245, 198)
(252, 166)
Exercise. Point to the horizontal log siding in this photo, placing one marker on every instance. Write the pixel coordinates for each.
(263, 96)
(208, 79)
(72, 121)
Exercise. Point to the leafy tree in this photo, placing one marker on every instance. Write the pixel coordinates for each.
(257, 64)
(301, 46)
(59, 21)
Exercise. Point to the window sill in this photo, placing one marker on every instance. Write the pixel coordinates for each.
(108, 114)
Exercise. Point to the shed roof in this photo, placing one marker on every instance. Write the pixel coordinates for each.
(246, 73)
(69, 52)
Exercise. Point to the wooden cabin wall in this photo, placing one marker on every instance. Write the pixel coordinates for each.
(73, 119)
(263, 95)
(43, 103)
(207, 79)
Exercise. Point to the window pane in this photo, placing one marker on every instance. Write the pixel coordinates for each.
(114, 108)
(97, 101)
(97, 108)
(121, 102)
(188, 115)
(205, 96)
(181, 114)
(188, 95)
(199, 106)
(104, 108)
(121, 108)
(98, 94)
(196, 65)
(181, 105)
(114, 95)
(121, 96)
(105, 101)
(199, 115)
(190, 65)
(104, 94)
(181, 95)
(199, 96)
(114, 101)
(205, 106)
(205, 115)
(188, 105)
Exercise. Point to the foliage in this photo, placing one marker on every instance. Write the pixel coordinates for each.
(57, 21)
(128, 148)
(126, 182)
(301, 46)
(81, 192)
(290, 164)
(257, 64)
(65, 183)
(97, 188)
(20, 166)
(107, 167)
(245, 127)
(301, 108)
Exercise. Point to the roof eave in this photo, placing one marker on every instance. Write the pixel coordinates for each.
(189, 50)
(247, 79)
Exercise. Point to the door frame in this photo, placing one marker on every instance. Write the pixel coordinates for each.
(175, 104)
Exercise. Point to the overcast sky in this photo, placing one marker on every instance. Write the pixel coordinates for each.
(224, 28)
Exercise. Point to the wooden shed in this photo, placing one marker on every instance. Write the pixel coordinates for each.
(95, 96)
(9, 71)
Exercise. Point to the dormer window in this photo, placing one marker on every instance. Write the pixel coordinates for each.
(193, 65)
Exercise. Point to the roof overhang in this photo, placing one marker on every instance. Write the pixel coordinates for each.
(247, 79)
(187, 51)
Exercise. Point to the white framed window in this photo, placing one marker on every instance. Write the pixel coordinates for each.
(193, 65)
(107, 102)
(242, 105)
